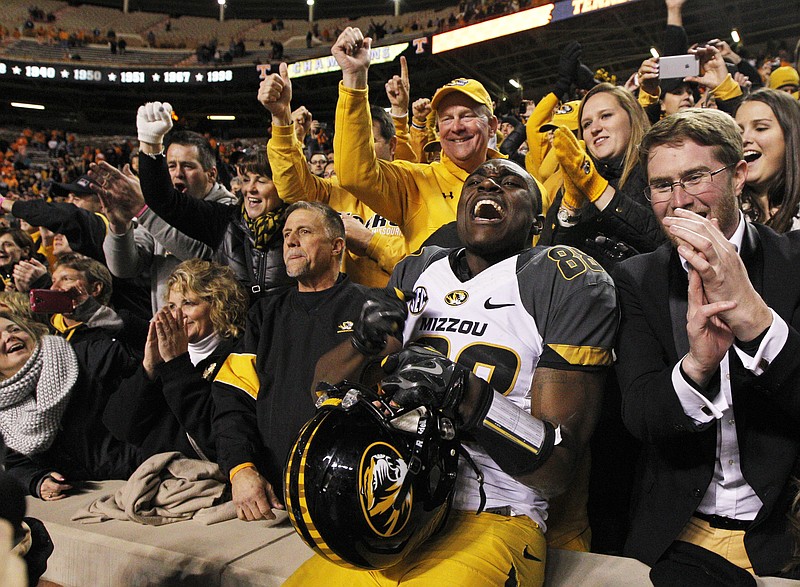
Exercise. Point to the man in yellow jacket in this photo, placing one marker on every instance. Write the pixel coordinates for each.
(420, 198)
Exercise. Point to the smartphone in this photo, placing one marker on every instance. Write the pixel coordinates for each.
(51, 301)
(678, 66)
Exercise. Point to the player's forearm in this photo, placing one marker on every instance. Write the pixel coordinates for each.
(519, 442)
(345, 362)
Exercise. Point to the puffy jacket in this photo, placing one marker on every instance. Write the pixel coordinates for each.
(221, 227)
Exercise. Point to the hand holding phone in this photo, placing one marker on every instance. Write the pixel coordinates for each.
(678, 66)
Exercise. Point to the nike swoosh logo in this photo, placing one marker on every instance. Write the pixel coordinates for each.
(490, 306)
(529, 556)
(435, 370)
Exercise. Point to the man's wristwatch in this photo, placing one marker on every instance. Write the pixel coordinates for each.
(568, 216)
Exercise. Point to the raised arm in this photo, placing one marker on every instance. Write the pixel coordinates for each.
(397, 91)
(184, 225)
(84, 230)
(383, 186)
(291, 175)
(169, 212)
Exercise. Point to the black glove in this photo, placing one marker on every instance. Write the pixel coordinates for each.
(567, 68)
(584, 77)
(383, 314)
(614, 249)
(420, 376)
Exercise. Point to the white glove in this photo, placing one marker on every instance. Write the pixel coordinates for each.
(153, 121)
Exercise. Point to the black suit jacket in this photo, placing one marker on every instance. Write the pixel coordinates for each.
(678, 459)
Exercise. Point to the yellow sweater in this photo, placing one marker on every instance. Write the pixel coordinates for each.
(419, 197)
(295, 182)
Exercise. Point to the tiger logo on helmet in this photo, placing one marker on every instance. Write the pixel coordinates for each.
(363, 488)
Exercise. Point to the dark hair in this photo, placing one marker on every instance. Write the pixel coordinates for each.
(710, 128)
(187, 138)
(334, 227)
(21, 238)
(256, 162)
(785, 190)
(94, 271)
(385, 122)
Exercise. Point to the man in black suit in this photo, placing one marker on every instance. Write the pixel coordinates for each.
(709, 357)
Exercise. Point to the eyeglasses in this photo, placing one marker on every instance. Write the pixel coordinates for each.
(693, 184)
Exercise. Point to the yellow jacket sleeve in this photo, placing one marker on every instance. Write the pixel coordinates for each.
(727, 89)
(646, 99)
(538, 145)
(381, 185)
(290, 173)
(387, 250)
(403, 149)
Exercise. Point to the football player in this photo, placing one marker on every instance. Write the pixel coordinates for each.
(522, 339)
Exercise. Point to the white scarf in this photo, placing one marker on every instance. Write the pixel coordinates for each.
(34, 399)
(203, 348)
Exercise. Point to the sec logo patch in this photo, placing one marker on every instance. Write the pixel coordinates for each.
(420, 300)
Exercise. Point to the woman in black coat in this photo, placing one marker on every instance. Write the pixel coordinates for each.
(166, 404)
(52, 397)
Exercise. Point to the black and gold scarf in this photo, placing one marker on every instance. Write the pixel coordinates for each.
(264, 227)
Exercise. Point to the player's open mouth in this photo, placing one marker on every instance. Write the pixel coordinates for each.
(488, 210)
(180, 186)
(751, 156)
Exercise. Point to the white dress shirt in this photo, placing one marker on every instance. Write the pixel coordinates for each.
(729, 494)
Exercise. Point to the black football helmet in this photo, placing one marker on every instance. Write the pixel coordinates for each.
(363, 488)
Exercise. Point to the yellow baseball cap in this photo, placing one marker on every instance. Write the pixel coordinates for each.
(564, 115)
(473, 89)
(784, 76)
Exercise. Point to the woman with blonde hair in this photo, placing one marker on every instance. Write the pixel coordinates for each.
(602, 209)
(166, 405)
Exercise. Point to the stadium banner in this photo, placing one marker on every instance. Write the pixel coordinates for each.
(126, 76)
(248, 75)
(242, 75)
(517, 22)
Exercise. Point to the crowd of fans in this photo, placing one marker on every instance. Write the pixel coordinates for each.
(192, 286)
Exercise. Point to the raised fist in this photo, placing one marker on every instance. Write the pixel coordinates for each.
(383, 315)
(153, 121)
